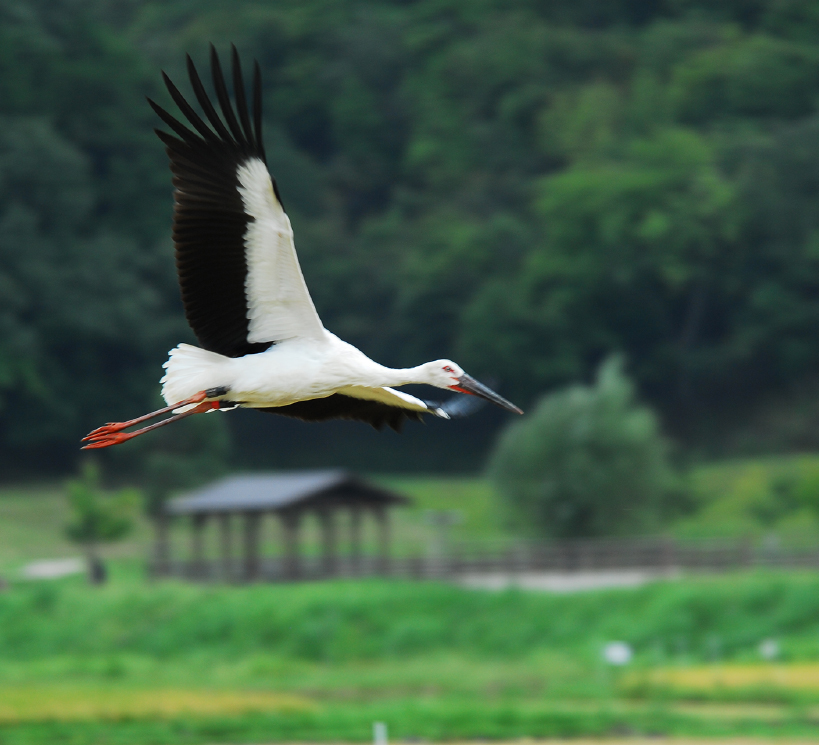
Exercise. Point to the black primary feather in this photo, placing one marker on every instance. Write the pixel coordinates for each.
(376, 413)
(209, 222)
(339, 406)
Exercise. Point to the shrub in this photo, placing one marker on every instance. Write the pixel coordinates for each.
(97, 518)
(589, 461)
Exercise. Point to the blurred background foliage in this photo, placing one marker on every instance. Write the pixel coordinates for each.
(588, 462)
(524, 186)
(98, 518)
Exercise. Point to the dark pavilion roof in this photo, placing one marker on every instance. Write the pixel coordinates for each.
(270, 492)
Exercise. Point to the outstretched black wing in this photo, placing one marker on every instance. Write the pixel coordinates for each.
(240, 279)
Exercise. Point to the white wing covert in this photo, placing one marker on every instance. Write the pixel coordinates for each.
(241, 283)
(279, 304)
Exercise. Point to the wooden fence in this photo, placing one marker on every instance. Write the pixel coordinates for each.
(657, 555)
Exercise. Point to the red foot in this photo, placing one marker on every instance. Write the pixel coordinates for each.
(111, 433)
(104, 441)
(106, 429)
(112, 427)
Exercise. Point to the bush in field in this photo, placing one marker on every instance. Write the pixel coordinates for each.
(97, 518)
(589, 461)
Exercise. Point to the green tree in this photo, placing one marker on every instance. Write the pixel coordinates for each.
(98, 518)
(589, 461)
(533, 185)
(86, 286)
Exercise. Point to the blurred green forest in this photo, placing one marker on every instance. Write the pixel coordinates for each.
(523, 186)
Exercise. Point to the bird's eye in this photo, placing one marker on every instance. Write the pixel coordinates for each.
(447, 369)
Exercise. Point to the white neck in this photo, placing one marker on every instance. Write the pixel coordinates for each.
(402, 375)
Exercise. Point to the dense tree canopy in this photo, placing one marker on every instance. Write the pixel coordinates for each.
(523, 186)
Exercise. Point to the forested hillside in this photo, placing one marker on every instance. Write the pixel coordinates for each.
(524, 186)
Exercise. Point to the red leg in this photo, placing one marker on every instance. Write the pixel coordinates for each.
(112, 427)
(111, 434)
(113, 437)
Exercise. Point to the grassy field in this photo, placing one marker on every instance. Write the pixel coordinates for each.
(283, 631)
(32, 524)
(172, 663)
(473, 498)
(790, 682)
(776, 496)
(169, 663)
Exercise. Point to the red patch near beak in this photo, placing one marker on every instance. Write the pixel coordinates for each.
(461, 390)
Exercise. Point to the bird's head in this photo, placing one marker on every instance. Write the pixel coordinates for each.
(447, 374)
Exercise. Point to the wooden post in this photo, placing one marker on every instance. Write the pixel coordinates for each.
(290, 524)
(456, 558)
(746, 552)
(508, 560)
(162, 553)
(198, 545)
(567, 558)
(329, 562)
(669, 559)
(415, 565)
(355, 538)
(226, 545)
(252, 522)
(382, 518)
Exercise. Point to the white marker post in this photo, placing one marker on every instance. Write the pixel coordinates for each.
(379, 733)
(618, 653)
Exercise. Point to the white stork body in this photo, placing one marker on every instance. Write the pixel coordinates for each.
(293, 370)
(263, 345)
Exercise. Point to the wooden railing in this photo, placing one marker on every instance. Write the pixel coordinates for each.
(656, 555)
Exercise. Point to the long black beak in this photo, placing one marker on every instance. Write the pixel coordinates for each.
(468, 384)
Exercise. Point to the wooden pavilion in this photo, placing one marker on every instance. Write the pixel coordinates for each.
(242, 502)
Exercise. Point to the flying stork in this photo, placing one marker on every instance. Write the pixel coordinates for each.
(263, 345)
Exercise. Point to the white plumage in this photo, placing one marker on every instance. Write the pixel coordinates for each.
(263, 344)
(298, 369)
(279, 305)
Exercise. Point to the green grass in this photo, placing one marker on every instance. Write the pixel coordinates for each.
(472, 497)
(358, 622)
(775, 495)
(427, 720)
(432, 660)
(32, 526)
(792, 683)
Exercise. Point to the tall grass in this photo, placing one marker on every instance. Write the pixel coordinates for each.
(394, 620)
(26, 704)
(791, 683)
(754, 497)
(172, 663)
(409, 721)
